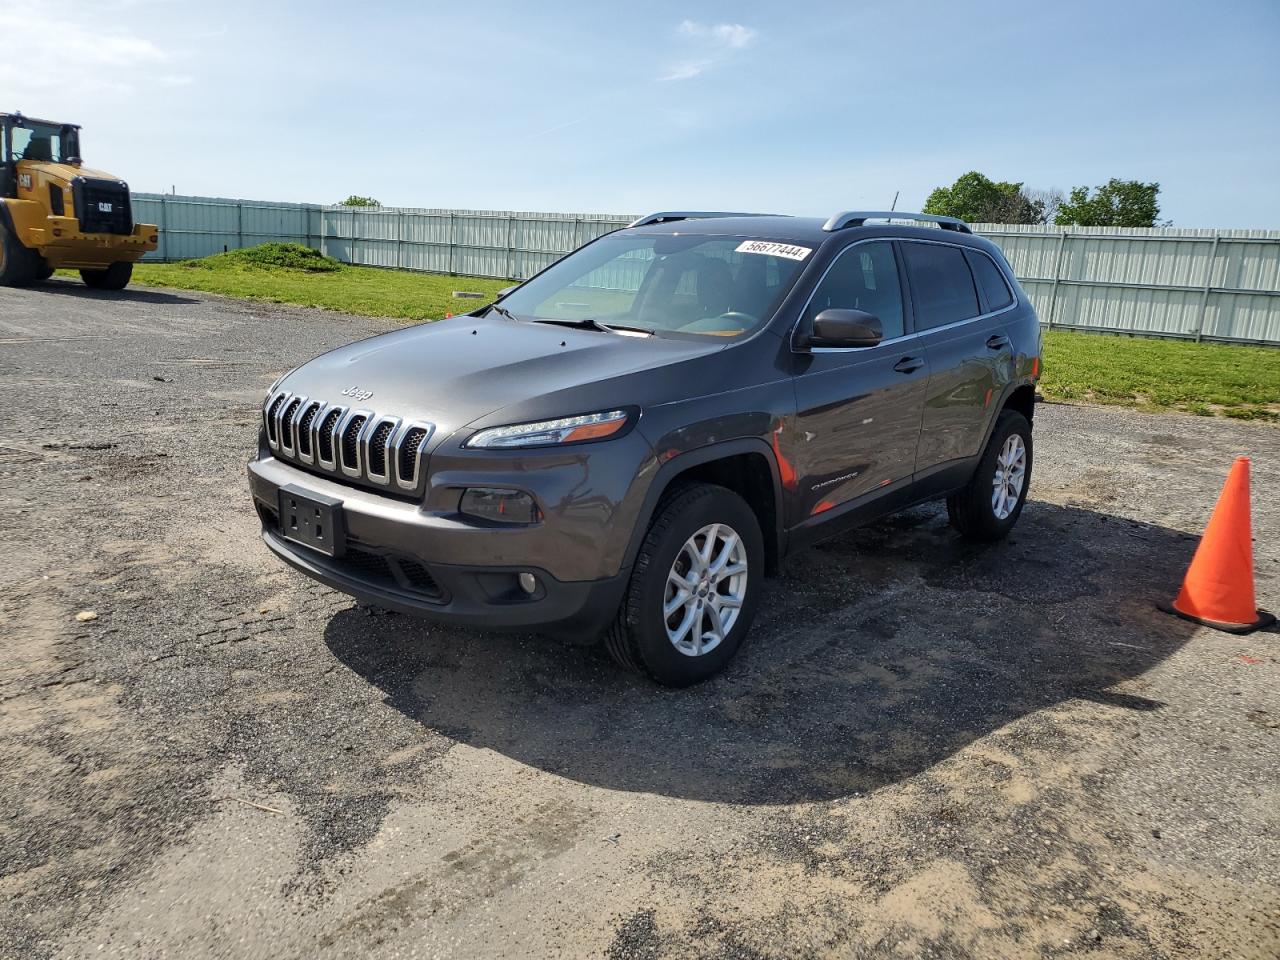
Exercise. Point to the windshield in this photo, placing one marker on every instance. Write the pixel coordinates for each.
(715, 286)
(44, 141)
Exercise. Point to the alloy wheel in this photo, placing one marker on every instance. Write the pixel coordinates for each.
(705, 589)
(1010, 475)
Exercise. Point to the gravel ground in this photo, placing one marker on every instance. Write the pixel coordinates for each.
(926, 749)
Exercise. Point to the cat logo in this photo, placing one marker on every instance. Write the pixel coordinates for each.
(24, 181)
(104, 208)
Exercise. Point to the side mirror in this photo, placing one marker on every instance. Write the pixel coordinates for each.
(835, 327)
(506, 290)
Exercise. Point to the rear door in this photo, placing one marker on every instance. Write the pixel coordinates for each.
(858, 410)
(970, 357)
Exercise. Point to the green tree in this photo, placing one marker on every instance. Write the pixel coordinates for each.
(354, 201)
(976, 198)
(1117, 203)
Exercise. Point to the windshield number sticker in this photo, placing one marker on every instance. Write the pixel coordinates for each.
(771, 249)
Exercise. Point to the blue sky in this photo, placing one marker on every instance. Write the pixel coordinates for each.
(596, 107)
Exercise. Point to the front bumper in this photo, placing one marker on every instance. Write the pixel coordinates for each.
(404, 558)
(62, 244)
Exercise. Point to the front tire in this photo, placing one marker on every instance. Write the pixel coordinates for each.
(18, 265)
(115, 277)
(988, 507)
(694, 588)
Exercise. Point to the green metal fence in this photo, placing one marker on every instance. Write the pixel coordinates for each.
(1196, 284)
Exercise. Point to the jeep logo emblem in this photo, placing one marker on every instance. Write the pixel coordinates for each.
(355, 393)
(104, 208)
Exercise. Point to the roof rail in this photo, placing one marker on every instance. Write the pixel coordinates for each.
(856, 218)
(668, 215)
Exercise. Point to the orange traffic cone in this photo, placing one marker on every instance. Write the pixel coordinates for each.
(1218, 588)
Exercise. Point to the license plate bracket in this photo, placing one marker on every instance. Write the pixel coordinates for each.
(312, 520)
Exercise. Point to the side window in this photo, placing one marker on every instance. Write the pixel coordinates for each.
(994, 287)
(863, 277)
(942, 288)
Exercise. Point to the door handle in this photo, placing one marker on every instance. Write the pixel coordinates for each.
(997, 342)
(908, 364)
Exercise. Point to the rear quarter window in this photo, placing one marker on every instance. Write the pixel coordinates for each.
(994, 287)
(942, 289)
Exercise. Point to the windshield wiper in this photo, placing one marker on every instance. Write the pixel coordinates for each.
(502, 311)
(591, 323)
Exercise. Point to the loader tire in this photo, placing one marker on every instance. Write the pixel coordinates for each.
(18, 265)
(115, 277)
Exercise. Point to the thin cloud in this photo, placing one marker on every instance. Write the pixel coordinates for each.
(717, 42)
(732, 35)
(686, 70)
(55, 49)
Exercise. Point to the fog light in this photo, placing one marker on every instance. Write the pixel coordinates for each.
(528, 582)
(498, 505)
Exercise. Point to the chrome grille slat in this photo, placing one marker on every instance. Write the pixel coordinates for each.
(325, 439)
(409, 448)
(347, 443)
(377, 448)
(304, 440)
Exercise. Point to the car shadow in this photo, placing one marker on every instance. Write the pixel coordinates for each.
(74, 288)
(875, 657)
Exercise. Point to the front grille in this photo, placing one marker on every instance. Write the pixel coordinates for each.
(102, 206)
(347, 445)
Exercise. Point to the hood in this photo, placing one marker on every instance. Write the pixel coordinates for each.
(454, 372)
(64, 171)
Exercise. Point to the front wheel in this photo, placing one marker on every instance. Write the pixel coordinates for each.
(694, 588)
(18, 265)
(115, 277)
(988, 507)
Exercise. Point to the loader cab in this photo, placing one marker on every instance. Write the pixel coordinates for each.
(23, 138)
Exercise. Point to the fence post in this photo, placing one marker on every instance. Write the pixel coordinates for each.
(511, 245)
(1057, 275)
(1208, 282)
(239, 225)
(399, 239)
(324, 235)
(453, 238)
(164, 231)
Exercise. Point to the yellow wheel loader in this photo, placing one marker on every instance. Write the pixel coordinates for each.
(56, 213)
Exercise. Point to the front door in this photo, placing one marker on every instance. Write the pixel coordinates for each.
(857, 409)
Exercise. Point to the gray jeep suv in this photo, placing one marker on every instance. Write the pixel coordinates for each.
(624, 445)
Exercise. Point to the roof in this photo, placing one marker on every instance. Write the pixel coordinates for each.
(26, 119)
(809, 231)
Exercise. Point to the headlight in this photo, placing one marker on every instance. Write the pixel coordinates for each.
(544, 433)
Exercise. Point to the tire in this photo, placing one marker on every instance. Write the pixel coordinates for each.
(115, 277)
(44, 273)
(18, 265)
(977, 510)
(640, 639)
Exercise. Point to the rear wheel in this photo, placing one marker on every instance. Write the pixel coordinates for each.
(694, 588)
(18, 265)
(990, 505)
(115, 277)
